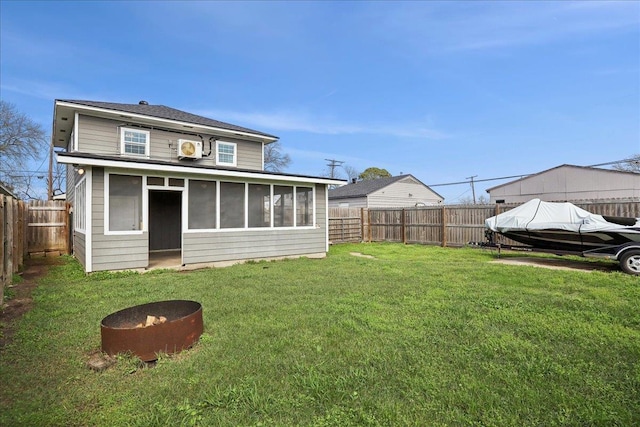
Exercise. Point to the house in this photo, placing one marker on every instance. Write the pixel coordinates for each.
(394, 191)
(6, 192)
(147, 180)
(569, 183)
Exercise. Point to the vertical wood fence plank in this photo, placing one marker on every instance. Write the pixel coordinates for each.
(3, 224)
(8, 252)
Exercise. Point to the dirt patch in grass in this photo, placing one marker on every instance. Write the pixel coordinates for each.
(559, 264)
(358, 254)
(20, 301)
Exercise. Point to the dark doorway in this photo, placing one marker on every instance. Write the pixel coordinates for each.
(165, 220)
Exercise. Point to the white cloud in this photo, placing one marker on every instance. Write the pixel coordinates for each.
(299, 122)
(466, 26)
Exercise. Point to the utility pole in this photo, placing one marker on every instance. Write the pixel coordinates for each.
(473, 189)
(333, 164)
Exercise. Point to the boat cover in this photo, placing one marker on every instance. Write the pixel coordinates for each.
(539, 215)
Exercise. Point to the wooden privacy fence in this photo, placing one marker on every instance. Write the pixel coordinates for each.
(33, 228)
(437, 225)
(12, 239)
(47, 227)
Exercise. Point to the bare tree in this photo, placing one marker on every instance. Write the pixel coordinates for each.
(58, 179)
(631, 164)
(21, 140)
(274, 159)
(352, 173)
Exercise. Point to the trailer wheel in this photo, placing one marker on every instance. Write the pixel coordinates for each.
(630, 262)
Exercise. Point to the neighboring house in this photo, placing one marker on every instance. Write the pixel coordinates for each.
(569, 183)
(391, 192)
(5, 191)
(148, 179)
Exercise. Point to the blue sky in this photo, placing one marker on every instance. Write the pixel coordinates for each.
(441, 90)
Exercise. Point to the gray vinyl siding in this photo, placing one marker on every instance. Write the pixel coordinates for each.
(356, 202)
(250, 244)
(113, 252)
(70, 184)
(79, 250)
(405, 193)
(256, 244)
(102, 136)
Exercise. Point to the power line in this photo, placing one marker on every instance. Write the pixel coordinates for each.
(526, 174)
(480, 180)
(333, 164)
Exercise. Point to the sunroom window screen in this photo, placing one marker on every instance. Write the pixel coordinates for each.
(202, 204)
(125, 203)
(282, 206)
(304, 206)
(259, 205)
(231, 205)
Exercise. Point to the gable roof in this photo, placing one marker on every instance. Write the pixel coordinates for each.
(165, 113)
(587, 168)
(366, 187)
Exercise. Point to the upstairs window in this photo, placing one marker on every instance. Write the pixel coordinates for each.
(226, 153)
(134, 142)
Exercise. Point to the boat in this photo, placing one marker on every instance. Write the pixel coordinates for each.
(563, 227)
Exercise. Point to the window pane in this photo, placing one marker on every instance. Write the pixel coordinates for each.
(304, 206)
(125, 203)
(226, 153)
(202, 204)
(155, 180)
(282, 206)
(231, 205)
(259, 205)
(135, 142)
(176, 182)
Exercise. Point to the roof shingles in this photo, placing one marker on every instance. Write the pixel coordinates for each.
(168, 113)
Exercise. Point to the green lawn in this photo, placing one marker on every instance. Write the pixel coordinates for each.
(416, 336)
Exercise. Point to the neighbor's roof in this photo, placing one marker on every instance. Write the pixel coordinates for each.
(366, 187)
(586, 168)
(163, 112)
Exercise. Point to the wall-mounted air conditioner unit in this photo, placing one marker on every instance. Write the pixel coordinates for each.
(189, 149)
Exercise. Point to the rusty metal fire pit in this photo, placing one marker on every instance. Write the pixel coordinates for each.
(130, 330)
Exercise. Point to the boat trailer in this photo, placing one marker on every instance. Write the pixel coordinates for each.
(627, 254)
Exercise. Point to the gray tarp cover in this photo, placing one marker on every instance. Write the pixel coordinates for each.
(539, 215)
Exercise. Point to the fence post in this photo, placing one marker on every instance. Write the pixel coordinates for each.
(403, 227)
(362, 238)
(444, 227)
(369, 223)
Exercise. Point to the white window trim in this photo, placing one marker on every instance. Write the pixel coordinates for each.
(235, 153)
(246, 227)
(88, 239)
(146, 146)
(77, 213)
(144, 207)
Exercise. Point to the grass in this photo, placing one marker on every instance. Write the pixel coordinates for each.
(416, 336)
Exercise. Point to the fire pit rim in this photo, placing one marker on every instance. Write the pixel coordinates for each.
(133, 308)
